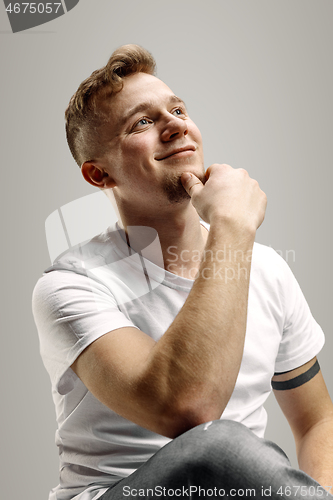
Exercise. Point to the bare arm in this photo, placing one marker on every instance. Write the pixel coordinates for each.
(188, 376)
(309, 411)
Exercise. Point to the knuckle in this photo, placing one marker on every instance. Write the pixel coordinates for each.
(244, 172)
(226, 166)
(221, 166)
(192, 187)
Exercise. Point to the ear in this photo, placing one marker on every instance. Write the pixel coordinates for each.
(96, 175)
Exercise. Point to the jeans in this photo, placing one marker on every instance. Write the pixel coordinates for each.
(215, 460)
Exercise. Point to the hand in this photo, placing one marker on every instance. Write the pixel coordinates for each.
(228, 194)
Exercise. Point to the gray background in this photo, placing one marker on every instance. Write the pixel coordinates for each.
(257, 79)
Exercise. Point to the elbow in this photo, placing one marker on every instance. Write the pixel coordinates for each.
(184, 418)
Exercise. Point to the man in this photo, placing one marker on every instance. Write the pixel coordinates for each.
(153, 331)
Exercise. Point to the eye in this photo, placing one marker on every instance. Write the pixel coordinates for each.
(179, 112)
(143, 121)
(141, 124)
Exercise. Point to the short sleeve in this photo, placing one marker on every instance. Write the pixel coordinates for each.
(302, 337)
(71, 311)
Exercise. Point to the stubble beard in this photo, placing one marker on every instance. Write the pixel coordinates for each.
(174, 189)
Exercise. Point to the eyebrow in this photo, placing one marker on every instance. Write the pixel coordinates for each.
(146, 105)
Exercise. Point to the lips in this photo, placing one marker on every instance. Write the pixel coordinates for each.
(176, 152)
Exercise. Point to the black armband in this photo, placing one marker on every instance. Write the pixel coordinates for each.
(297, 381)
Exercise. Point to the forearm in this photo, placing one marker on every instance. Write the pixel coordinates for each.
(188, 376)
(315, 453)
(196, 362)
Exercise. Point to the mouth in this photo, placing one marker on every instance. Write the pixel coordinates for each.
(178, 153)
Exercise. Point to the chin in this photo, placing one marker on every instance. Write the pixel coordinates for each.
(173, 187)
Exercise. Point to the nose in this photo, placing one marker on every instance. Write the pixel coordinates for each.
(174, 128)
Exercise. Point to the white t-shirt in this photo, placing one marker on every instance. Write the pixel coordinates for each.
(102, 286)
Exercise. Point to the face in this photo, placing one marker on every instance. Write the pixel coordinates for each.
(151, 142)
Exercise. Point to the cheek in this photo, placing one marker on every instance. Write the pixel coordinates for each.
(139, 146)
(195, 132)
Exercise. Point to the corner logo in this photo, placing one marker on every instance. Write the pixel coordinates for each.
(25, 15)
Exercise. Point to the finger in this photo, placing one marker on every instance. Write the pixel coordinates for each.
(217, 167)
(191, 183)
(208, 172)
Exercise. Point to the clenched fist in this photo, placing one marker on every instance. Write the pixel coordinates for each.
(228, 195)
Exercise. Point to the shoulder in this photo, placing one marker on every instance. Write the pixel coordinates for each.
(267, 256)
(73, 269)
(269, 265)
(88, 254)
(272, 279)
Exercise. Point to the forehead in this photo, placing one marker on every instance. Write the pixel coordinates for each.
(139, 91)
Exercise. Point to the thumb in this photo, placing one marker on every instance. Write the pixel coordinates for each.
(191, 183)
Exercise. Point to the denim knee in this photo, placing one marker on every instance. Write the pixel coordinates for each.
(229, 449)
(212, 444)
(219, 436)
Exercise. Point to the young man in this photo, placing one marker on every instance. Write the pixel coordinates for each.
(153, 330)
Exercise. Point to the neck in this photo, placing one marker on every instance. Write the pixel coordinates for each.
(180, 235)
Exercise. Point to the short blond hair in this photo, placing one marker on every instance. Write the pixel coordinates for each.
(89, 108)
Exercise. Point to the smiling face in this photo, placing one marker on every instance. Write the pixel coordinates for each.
(151, 142)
